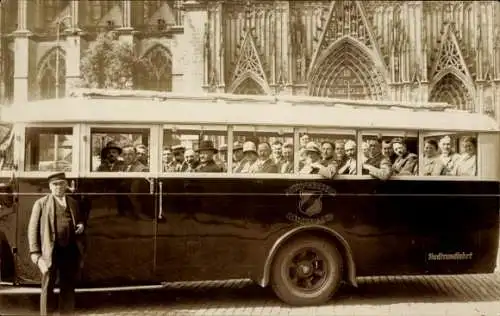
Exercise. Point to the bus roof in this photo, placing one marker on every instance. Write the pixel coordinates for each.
(136, 107)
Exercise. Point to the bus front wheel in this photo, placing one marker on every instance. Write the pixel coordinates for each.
(307, 271)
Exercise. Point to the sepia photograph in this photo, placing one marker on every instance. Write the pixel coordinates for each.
(249, 157)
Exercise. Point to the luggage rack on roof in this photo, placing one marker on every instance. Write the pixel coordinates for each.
(262, 99)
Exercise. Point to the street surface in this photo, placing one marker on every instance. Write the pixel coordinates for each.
(466, 295)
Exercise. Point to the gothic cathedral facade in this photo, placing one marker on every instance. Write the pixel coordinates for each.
(406, 51)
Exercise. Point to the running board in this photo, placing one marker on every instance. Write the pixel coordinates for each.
(10, 289)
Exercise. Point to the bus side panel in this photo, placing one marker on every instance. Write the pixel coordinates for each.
(119, 231)
(218, 228)
(403, 226)
(8, 219)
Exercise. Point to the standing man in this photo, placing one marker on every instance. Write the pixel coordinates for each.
(55, 243)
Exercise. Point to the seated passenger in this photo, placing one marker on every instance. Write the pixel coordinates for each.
(327, 152)
(110, 158)
(265, 163)
(167, 158)
(340, 152)
(176, 164)
(405, 163)
(350, 165)
(238, 157)
(251, 156)
(142, 154)
(206, 152)
(433, 165)
(287, 159)
(131, 161)
(377, 165)
(313, 163)
(190, 161)
(466, 164)
(221, 158)
(448, 157)
(277, 149)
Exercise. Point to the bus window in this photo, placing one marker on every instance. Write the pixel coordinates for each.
(395, 150)
(120, 149)
(337, 147)
(264, 150)
(450, 154)
(49, 149)
(194, 149)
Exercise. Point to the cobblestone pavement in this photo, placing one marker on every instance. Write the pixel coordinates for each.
(466, 295)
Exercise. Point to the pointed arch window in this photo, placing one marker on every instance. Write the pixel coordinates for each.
(451, 89)
(8, 75)
(157, 70)
(249, 86)
(46, 79)
(347, 72)
(97, 9)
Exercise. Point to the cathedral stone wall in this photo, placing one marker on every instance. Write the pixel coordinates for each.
(378, 50)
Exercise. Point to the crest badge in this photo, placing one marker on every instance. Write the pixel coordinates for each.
(310, 197)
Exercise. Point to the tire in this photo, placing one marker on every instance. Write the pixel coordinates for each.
(324, 273)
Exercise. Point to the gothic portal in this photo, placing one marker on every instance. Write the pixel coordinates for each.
(374, 50)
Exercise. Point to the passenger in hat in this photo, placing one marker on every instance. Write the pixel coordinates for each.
(110, 158)
(313, 163)
(251, 156)
(206, 152)
(176, 164)
(238, 157)
(56, 245)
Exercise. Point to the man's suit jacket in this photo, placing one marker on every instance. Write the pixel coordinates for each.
(41, 227)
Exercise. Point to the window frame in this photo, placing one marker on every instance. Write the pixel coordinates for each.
(20, 142)
(86, 153)
(423, 134)
(181, 127)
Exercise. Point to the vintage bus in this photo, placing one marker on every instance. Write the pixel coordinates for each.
(302, 234)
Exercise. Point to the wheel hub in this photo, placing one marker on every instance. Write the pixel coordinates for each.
(304, 269)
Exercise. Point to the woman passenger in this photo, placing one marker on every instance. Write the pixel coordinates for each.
(448, 157)
(466, 164)
(433, 165)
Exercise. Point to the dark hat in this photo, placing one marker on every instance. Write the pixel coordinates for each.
(109, 146)
(207, 145)
(57, 177)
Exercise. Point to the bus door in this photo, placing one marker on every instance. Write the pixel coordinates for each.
(8, 221)
(118, 192)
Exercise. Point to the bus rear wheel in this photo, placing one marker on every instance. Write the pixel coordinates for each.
(307, 271)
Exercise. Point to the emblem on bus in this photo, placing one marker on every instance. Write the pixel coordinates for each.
(310, 202)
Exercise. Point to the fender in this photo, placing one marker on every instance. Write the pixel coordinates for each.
(334, 235)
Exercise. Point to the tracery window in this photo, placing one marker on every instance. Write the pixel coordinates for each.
(347, 72)
(157, 73)
(50, 9)
(46, 78)
(98, 9)
(249, 86)
(451, 90)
